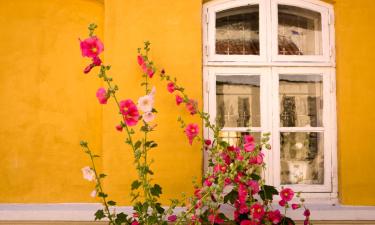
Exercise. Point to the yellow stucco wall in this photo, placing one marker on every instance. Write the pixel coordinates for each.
(49, 105)
(355, 95)
(174, 29)
(45, 108)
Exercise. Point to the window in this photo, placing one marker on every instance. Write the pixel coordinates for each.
(269, 66)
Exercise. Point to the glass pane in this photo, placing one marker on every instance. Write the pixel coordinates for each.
(238, 101)
(237, 31)
(302, 158)
(301, 100)
(235, 138)
(299, 31)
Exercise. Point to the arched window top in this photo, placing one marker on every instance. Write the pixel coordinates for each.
(268, 31)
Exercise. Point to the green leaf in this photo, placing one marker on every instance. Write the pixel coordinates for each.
(156, 190)
(151, 144)
(111, 203)
(144, 128)
(121, 218)
(103, 195)
(159, 208)
(255, 177)
(137, 144)
(231, 197)
(287, 221)
(267, 192)
(99, 214)
(136, 184)
(102, 175)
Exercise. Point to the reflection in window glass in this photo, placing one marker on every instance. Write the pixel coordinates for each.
(299, 31)
(301, 158)
(237, 31)
(301, 100)
(236, 138)
(238, 101)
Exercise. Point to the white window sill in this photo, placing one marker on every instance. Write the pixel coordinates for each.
(85, 211)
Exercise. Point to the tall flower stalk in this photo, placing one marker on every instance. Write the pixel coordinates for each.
(145, 195)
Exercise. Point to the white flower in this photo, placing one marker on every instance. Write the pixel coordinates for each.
(93, 194)
(88, 173)
(148, 117)
(146, 103)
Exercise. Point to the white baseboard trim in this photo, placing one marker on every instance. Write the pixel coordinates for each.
(85, 212)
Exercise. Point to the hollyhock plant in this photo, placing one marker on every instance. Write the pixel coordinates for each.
(146, 103)
(287, 194)
(88, 173)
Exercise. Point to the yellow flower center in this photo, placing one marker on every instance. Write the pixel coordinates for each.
(94, 49)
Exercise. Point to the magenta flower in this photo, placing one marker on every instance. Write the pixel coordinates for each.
(287, 194)
(282, 203)
(274, 216)
(296, 206)
(215, 219)
(248, 139)
(172, 218)
(179, 99)
(191, 132)
(140, 60)
(130, 112)
(96, 61)
(91, 47)
(171, 87)
(306, 213)
(257, 159)
(249, 147)
(257, 211)
(248, 222)
(208, 181)
(242, 194)
(135, 223)
(254, 185)
(102, 95)
(88, 68)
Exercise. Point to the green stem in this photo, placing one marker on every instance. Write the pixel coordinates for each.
(100, 186)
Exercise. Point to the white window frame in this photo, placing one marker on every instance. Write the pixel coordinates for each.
(268, 67)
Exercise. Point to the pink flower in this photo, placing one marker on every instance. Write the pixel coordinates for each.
(191, 132)
(135, 223)
(257, 159)
(227, 181)
(91, 47)
(238, 177)
(248, 139)
(282, 203)
(119, 127)
(171, 87)
(306, 221)
(296, 206)
(215, 219)
(172, 218)
(274, 216)
(102, 96)
(257, 211)
(226, 158)
(207, 142)
(249, 147)
(191, 106)
(208, 181)
(140, 60)
(144, 67)
(130, 112)
(88, 173)
(146, 103)
(179, 99)
(148, 117)
(286, 194)
(254, 185)
(197, 193)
